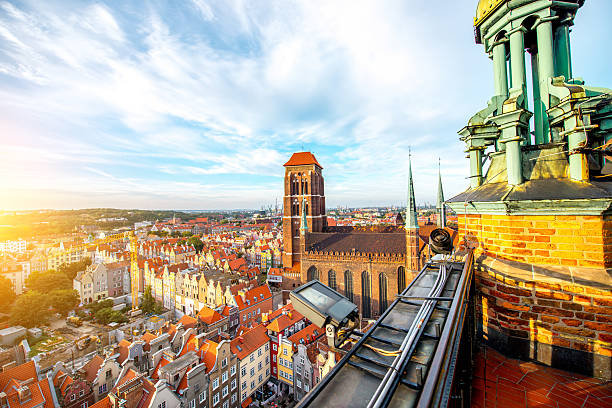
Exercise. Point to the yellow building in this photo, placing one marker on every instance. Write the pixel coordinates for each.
(285, 362)
(59, 256)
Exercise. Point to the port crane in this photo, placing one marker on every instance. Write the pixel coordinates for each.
(129, 235)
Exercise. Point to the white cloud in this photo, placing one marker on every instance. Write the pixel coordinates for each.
(229, 88)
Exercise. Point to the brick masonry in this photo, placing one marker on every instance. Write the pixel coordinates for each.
(357, 264)
(543, 287)
(568, 240)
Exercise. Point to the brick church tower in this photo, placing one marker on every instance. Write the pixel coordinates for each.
(304, 186)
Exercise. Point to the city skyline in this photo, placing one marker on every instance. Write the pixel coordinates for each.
(151, 107)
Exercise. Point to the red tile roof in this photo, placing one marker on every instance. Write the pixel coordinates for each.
(253, 296)
(123, 350)
(249, 341)
(188, 321)
(148, 337)
(25, 375)
(308, 334)
(21, 372)
(65, 384)
(58, 376)
(92, 367)
(235, 264)
(129, 375)
(162, 362)
(209, 316)
(302, 158)
(210, 354)
(103, 403)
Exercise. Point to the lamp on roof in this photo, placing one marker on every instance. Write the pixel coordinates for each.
(327, 308)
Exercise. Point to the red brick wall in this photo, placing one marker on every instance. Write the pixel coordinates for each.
(357, 264)
(561, 314)
(569, 240)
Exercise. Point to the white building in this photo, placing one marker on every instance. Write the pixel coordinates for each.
(253, 351)
(15, 247)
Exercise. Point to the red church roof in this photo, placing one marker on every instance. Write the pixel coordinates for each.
(302, 158)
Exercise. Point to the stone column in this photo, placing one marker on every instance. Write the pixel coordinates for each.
(563, 57)
(517, 61)
(546, 70)
(499, 68)
(537, 102)
(475, 166)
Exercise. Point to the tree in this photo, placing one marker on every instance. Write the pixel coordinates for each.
(148, 302)
(63, 300)
(149, 305)
(175, 234)
(196, 242)
(7, 294)
(45, 282)
(102, 304)
(72, 269)
(30, 309)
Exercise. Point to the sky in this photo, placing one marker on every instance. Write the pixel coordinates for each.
(198, 104)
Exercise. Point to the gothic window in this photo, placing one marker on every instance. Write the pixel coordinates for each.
(366, 294)
(401, 279)
(382, 292)
(348, 285)
(305, 187)
(312, 273)
(331, 279)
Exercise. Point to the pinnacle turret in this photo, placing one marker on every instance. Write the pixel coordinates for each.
(412, 221)
(440, 203)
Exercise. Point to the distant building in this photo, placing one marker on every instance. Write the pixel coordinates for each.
(368, 264)
(15, 247)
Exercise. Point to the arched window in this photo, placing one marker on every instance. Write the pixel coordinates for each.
(366, 294)
(401, 279)
(331, 279)
(305, 187)
(382, 292)
(312, 273)
(348, 285)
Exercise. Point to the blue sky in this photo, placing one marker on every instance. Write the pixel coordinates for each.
(197, 104)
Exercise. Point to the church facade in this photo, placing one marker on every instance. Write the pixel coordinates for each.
(369, 265)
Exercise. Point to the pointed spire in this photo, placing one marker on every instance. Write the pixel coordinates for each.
(304, 222)
(412, 221)
(440, 204)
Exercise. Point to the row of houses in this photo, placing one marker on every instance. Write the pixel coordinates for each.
(190, 363)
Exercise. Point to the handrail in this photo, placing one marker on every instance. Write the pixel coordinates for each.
(309, 398)
(434, 390)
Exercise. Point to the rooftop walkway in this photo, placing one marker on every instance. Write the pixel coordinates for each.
(501, 382)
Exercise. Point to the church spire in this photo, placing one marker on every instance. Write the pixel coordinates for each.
(411, 214)
(304, 222)
(440, 203)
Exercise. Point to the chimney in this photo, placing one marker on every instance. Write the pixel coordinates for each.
(3, 400)
(24, 394)
(9, 365)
